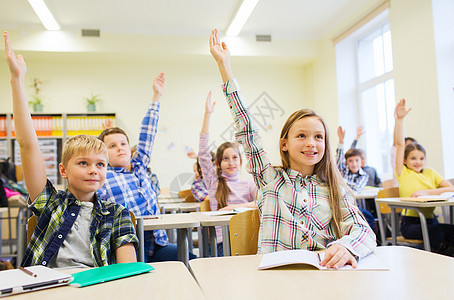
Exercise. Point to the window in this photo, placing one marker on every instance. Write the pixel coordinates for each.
(364, 65)
(376, 96)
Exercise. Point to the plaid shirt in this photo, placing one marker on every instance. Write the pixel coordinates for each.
(110, 227)
(356, 181)
(199, 191)
(134, 189)
(294, 210)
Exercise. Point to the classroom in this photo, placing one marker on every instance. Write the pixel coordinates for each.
(289, 55)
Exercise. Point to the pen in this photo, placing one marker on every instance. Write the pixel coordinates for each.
(27, 272)
(151, 217)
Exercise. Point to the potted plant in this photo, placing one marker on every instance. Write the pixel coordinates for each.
(91, 102)
(37, 102)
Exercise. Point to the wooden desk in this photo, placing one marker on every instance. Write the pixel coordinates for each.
(169, 280)
(181, 222)
(208, 223)
(413, 274)
(394, 203)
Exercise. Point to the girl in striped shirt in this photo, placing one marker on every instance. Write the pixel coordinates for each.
(225, 190)
(303, 204)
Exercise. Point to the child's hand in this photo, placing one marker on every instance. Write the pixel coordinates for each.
(107, 123)
(218, 50)
(337, 256)
(209, 107)
(158, 86)
(191, 154)
(401, 111)
(359, 132)
(16, 65)
(340, 134)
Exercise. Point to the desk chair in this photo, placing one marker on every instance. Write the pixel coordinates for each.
(32, 222)
(244, 231)
(385, 219)
(388, 184)
(205, 205)
(186, 195)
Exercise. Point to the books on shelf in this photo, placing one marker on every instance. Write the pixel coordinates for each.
(306, 257)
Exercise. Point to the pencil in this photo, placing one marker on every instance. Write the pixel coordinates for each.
(27, 272)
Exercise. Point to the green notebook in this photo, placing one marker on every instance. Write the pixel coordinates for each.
(107, 273)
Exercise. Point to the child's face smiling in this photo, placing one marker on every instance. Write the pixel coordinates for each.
(305, 144)
(415, 160)
(231, 161)
(86, 173)
(118, 149)
(354, 163)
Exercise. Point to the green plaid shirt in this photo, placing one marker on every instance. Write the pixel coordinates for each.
(110, 227)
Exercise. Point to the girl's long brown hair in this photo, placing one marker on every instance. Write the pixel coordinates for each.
(325, 170)
(223, 190)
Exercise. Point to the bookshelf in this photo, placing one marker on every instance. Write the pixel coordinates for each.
(52, 131)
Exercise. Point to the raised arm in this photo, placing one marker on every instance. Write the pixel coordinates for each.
(209, 109)
(340, 159)
(359, 133)
(208, 170)
(399, 114)
(149, 124)
(32, 161)
(246, 132)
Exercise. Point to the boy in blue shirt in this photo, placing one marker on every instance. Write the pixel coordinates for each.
(128, 182)
(75, 227)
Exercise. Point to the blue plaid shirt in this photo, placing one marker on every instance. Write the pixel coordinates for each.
(356, 181)
(134, 189)
(56, 212)
(199, 190)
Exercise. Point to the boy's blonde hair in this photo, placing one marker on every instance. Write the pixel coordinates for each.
(325, 169)
(82, 144)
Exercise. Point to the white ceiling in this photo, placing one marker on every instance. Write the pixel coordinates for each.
(284, 19)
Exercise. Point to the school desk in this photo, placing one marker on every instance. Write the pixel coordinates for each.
(2, 210)
(162, 199)
(413, 274)
(366, 193)
(169, 280)
(208, 222)
(394, 203)
(181, 222)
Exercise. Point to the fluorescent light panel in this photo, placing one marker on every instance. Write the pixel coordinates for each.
(241, 17)
(44, 14)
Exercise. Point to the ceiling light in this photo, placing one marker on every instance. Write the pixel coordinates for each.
(241, 17)
(44, 14)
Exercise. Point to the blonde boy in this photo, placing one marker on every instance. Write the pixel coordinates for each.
(75, 228)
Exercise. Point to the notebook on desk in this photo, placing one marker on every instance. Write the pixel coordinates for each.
(17, 281)
(425, 199)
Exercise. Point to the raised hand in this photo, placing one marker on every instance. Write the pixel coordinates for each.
(359, 132)
(158, 86)
(218, 50)
(16, 65)
(401, 111)
(340, 134)
(209, 107)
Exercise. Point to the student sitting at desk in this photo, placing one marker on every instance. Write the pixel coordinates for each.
(303, 203)
(75, 227)
(416, 180)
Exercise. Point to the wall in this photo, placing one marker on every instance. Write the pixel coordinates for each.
(125, 84)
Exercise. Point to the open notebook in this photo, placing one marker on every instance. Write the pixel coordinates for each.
(17, 281)
(435, 198)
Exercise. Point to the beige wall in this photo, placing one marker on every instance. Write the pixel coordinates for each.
(126, 87)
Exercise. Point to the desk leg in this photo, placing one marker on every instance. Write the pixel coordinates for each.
(213, 242)
(425, 232)
(140, 236)
(394, 224)
(203, 245)
(381, 226)
(21, 233)
(190, 242)
(451, 214)
(226, 240)
(182, 244)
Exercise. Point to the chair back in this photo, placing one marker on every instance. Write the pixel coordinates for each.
(388, 184)
(31, 225)
(244, 232)
(184, 193)
(387, 193)
(205, 205)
